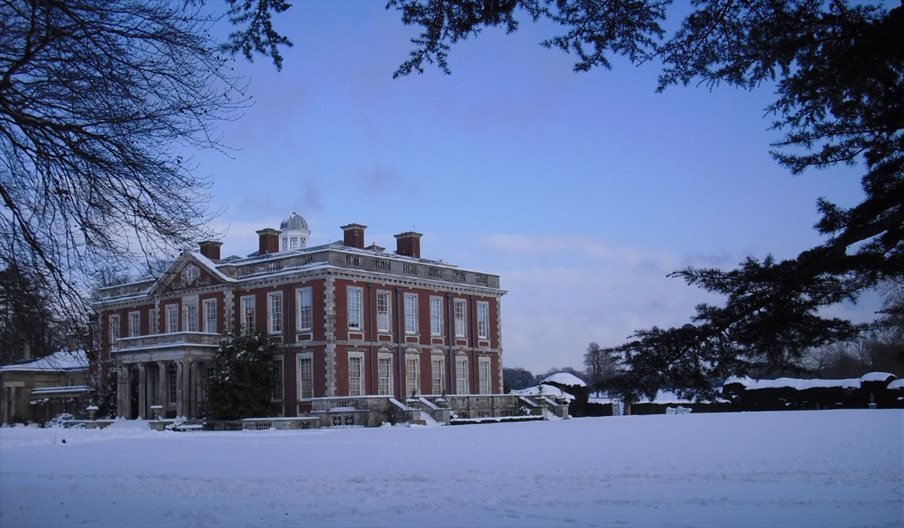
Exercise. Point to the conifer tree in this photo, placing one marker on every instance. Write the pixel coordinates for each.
(240, 386)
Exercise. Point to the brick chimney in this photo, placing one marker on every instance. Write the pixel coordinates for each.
(211, 249)
(353, 235)
(269, 241)
(409, 244)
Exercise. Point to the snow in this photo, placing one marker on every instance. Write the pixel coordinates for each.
(564, 378)
(795, 383)
(897, 384)
(544, 390)
(61, 360)
(877, 376)
(803, 468)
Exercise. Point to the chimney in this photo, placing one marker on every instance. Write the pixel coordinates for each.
(269, 241)
(409, 244)
(353, 235)
(211, 249)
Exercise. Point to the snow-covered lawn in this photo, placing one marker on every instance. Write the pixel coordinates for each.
(820, 468)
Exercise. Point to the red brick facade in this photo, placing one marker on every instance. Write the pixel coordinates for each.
(361, 340)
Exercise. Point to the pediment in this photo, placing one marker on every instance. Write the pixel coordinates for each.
(186, 273)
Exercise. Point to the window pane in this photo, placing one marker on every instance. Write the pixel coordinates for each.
(383, 313)
(436, 315)
(385, 375)
(410, 313)
(276, 312)
(354, 376)
(411, 376)
(484, 373)
(483, 320)
(191, 317)
(354, 308)
(437, 370)
(210, 316)
(277, 383)
(305, 310)
(247, 314)
(306, 377)
(461, 373)
(460, 318)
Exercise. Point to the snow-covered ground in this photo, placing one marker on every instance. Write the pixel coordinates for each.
(807, 468)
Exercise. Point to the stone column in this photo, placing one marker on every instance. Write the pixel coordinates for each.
(142, 391)
(179, 394)
(195, 389)
(162, 398)
(126, 393)
(186, 388)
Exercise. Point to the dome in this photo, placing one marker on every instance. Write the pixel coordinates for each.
(293, 223)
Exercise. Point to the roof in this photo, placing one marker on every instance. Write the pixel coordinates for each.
(295, 222)
(564, 378)
(64, 360)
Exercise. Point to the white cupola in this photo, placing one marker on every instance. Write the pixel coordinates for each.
(293, 233)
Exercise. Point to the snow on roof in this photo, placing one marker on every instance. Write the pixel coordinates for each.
(212, 267)
(897, 384)
(564, 378)
(795, 383)
(877, 376)
(545, 390)
(62, 360)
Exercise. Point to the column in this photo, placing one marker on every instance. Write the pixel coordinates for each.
(161, 386)
(142, 391)
(186, 388)
(196, 388)
(179, 394)
(125, 394)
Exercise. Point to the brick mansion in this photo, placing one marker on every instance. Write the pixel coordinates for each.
(349, 320)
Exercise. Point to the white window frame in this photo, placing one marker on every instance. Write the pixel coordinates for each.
(412, 382)
(384, 383)
(209, 306)
(190, 312)
(483, 320)
(384, 312)
(113, 321)
(437, 374)
(356, 383)
(305, 388)
(247, 304)
(274, 313)
(484, 373)
(462, 385)
(304, 313)
(461, 317)
(436, 316)
(172, 318)
(410, 305)
(354, 307)
(134, 324)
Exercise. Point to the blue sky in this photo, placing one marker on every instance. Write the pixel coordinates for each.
(581, 190)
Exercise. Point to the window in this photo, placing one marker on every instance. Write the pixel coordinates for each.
(461, 319)
(210, 316)
(171, 384)
(191, 316)
(355, 375)
(293, 243)
(354, 308)
(436, 316)
(461, 373)
(134, 324)
(412, 375)
(248, 314)
(155, 321)
(410, 313)
(172, 318)
(277, 377)
(483, 320)
(437, 373)
(384, 374)
(305, 312)
(483, 375)
(305, 376)
(114, 328)
(275, 311)
(384, 314)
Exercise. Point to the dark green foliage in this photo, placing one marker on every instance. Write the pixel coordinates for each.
(516, 378)
(26, 318)
(240, 386)
(255, 33)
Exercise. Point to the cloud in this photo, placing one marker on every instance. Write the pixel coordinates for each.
(382, 179)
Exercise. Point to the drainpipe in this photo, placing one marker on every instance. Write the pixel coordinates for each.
(400, 338)
(450, 336)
